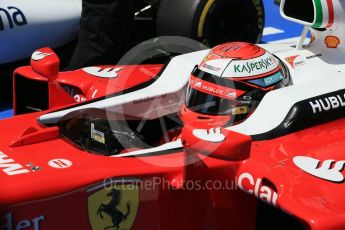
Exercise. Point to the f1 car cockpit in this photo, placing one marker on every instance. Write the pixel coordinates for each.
(103, 133)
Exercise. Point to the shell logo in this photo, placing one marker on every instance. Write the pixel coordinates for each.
(332, 41)
(312, 37)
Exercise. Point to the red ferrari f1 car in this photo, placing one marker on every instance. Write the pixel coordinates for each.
(241, 136)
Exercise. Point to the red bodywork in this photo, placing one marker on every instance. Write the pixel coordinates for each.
(49, 183)
(66, 88)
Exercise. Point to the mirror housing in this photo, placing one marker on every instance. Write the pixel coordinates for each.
(46, 63)
(316, 14)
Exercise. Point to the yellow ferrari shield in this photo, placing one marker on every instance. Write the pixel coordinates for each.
(114, 206)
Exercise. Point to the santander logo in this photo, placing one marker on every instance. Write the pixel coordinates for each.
(38, 55)
(103, 72)
(328, 170)
(212, 135)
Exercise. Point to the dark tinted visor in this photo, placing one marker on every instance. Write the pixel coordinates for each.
(210, 103)
(204, 103)
(245, 100)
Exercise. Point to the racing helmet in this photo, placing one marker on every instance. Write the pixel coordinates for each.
(230, 82)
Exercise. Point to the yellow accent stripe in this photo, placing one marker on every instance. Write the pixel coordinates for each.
(203, 18)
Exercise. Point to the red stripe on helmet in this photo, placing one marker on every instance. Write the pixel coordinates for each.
(214, 89)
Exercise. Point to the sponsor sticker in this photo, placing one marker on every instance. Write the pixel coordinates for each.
(327, 103)
(256, 66)
(312, 37)
(295, 61)
(240, 110)
(12, 16)
(214, 89)
(328, 170)
(79, 98)
(9, 221)
(251, 185)
(313, 56)
(10, 166)
(60, 163)
(239, 68)
(97, 135)
(103, 72)
(38, 55)
(215, 65)
(268, 81)
(210, 67)
(198, 84)
(332, 41)
(148, 99)
(214, 135)
(273, 79)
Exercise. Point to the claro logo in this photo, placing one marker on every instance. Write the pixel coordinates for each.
(10, 167)
(11, 16)
(254, 186)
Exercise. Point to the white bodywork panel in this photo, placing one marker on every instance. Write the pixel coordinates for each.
(170, 145)
(160, 98)
(311, 77)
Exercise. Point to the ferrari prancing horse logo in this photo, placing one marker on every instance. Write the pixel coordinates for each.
(113, 207)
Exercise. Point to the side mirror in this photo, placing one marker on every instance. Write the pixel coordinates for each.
(307, 12)
(216, 142)
(46, 63)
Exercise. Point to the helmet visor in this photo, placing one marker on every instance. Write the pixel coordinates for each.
(205, 103)
(212, 95)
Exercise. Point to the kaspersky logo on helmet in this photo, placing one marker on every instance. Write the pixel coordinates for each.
(251, 67)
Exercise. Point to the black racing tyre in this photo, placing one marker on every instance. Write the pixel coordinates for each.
(212, 21)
